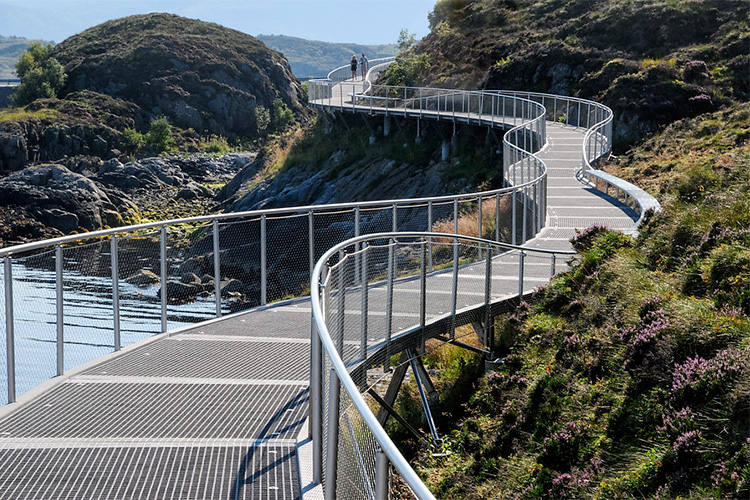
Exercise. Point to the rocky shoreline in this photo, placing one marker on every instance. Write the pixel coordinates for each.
(86, 193)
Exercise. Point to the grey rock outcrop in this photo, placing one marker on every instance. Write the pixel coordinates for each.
(63, 199)
(199, 74)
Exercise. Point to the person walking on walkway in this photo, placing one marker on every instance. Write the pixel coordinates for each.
(354, 66)
(363, 63)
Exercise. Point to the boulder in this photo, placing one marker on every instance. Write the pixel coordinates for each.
(177, 291)
(193, 190)
(144, 277)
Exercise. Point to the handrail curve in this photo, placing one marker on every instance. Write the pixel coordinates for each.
(330, 264)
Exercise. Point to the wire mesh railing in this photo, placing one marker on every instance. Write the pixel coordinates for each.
(374, 297)
(86, 295)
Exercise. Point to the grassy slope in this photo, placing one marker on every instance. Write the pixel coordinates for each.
(630, 377)
(313, 58)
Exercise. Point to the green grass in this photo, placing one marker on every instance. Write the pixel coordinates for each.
(584, 405)
(20, 114)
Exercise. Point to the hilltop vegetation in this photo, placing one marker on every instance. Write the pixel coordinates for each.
(651, 61)
(313, 58)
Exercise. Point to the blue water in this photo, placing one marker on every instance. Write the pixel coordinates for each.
(88, 321)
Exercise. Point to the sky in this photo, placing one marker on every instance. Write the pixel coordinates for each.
(352, 21)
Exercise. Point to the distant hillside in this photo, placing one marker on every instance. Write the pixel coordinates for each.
(313, 58)
(10, 50)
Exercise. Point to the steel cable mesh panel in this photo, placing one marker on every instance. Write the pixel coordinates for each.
(376, 220)
(287, 256)
(139, 271)
(504, 274)
(471, 276)
(331, 228)
(240, 259)
(442, 217)
(35, 319)
(190, 288)
(356, 454)
(87, 302)
(537, 270)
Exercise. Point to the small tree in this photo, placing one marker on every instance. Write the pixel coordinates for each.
(262, 119)
(405, 40)
(282, 115)
(41, 76)
(159, 134)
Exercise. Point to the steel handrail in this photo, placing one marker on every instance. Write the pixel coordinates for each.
(323, 336)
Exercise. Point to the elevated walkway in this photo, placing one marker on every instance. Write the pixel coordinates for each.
(217, 410)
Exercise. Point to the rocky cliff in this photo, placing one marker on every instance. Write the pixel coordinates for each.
(200, 75)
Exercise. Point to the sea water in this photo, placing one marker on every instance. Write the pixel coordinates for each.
(88, 321)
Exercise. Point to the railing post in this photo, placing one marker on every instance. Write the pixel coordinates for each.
(10, 349)
(115, 265)
(356, 254)
(521, 256)
(488, 334)
(333, 436)
(311, 237)
(60, 317)
(524, 216)
(382, 475)
(454, 289)
(395, 218)
(513, 217)
(552, 266)
(497, 217)
(263, 266)
(316, 403)
(479, 217)
(342, 303)
(389, 294)
(429, 243)
(163, 275)
(422, 291)
(217, 267)
(365, 304)
(420, 102)
(455, 215)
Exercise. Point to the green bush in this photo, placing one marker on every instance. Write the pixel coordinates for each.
(159, 134)
(262, 119)
(215, 144)
(282, 115)
(132, 141)
(41, 76)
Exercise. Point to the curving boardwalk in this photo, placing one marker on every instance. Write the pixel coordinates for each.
(219, 410)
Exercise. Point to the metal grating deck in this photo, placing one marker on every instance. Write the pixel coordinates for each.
(169, 472)
(203, 356)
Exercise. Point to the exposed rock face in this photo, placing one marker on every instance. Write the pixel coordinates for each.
(63, 199)
(84, 124)
(383, 179)
(200, 75)
(288, 271)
